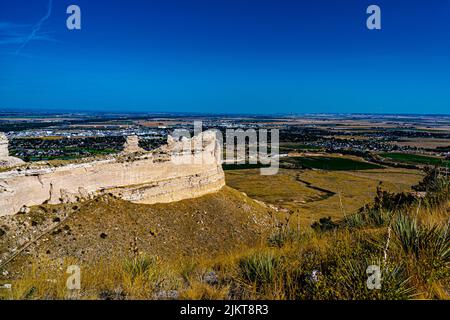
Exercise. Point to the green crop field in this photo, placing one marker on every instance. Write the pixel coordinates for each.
(298, 147)
(332, 163)
(244, 166)
(416, 159)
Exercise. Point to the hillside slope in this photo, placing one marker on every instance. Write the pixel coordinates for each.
(107, 227)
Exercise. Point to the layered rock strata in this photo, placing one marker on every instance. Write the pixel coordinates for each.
(170, 173)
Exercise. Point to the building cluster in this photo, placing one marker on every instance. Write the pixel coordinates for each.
(98, 137)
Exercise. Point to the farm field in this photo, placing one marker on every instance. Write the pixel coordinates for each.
(243, 166)
(415, 159)
(289, 146)
(430, 143)
(312, 194)
(332, 163)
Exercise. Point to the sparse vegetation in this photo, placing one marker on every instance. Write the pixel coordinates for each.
(407, 240)
(311, 194)
(139, 265)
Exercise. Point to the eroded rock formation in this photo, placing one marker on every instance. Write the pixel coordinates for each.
(132, 145)
(5, 159)
(167, 174)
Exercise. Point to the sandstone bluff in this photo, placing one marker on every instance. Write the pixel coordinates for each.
(5, 159)
(179, 170)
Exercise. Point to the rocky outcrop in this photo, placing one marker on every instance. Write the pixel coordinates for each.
(5, 160)
(132, 145)
(3, 146)
(163, 175)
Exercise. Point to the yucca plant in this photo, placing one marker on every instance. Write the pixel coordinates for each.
(259, 268)
(283, 235)
(408, 233)
(379, 218)
(350, 279)
(428, 245)
(355, 220)
(139, 265)
(434, 254)
(368, 218)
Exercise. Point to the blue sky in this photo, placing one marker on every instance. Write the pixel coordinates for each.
(226, 56)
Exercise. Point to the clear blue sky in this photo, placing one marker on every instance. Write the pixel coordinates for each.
(227, 56)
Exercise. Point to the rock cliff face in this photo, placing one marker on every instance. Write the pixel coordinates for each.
(5, 159)
(168, 174)
(132, 145)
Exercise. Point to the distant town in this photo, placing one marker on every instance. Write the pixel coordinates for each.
(376, 138)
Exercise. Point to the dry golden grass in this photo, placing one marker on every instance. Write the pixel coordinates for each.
(280, 189)
(352, 189)
(428, 143)
(106, 226)
(262, 272)
(290, 262)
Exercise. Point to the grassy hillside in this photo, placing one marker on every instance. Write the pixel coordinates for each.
(108, 227)
(225, 246)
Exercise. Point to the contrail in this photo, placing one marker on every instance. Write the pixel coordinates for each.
(36, 27)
